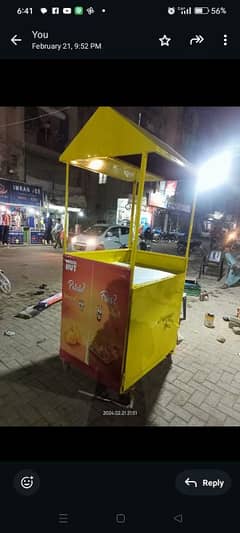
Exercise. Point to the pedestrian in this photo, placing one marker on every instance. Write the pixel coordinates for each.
(48, 230)
(57, 231)
(1, 228)
(5, 224)
(233, 272)
(140, 231)
(148, 234)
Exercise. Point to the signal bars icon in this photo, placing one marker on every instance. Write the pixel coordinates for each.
(185, 10)
(182, 10)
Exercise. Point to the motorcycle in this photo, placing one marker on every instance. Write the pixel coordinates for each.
(195, 245)
(144, 244)
(157, 234)
(5, 284)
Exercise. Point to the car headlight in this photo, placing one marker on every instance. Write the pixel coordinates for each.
(92, 241)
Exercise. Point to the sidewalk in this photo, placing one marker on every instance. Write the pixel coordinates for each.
(199, 385)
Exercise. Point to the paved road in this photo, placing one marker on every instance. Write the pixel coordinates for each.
(31, 264)
(198, 386)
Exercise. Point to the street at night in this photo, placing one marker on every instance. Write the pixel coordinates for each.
(198, 385)
(142, 255)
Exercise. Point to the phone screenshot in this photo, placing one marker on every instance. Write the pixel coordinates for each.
(119, 266)
(120, 30)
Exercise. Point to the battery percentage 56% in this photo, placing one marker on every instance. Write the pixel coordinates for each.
(205, 10)
(218, 11)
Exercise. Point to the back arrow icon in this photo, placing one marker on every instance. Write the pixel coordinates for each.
(178, 518)
(15, 40)
(198, 39)
(190, 482)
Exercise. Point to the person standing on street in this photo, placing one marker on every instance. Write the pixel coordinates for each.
(148, 234)
(1, 228)
(5, 224)
(48, 230)
(57, 230)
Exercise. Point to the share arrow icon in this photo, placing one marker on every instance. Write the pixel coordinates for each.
(198, 39)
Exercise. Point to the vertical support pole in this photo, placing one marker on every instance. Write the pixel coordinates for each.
(66, 209)
(177, 223)
(165, 227)
(190, 228)
(138, 214)
(134, 190)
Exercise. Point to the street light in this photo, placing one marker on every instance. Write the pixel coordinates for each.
(215, 171)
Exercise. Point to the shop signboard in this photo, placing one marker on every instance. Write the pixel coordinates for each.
(157, 199)
(170, 190)
(16, 237)
(4, 191)
(24, 194)
(160, 198)
(124, 207)
(13, 192)
(37, 236)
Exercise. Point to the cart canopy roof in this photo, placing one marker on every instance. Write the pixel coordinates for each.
(108, 136)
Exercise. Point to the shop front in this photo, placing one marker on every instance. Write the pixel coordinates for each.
(23, 203)
(124, 209)
(76, 218)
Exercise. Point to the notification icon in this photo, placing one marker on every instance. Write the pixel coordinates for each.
(78, 10)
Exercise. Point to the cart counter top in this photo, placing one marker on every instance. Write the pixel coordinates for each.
(147, 275)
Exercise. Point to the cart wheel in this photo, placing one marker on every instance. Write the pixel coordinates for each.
(131, 398)
(66, 366)
(128, 398)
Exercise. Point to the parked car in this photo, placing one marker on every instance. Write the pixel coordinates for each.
(101, 237)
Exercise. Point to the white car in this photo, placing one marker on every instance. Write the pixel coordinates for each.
(101, 237)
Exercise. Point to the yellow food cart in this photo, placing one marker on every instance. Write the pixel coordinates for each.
(121, 308)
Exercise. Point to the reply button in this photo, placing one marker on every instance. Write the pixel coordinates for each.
(203, 482)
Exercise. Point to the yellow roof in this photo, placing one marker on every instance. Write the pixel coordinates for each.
(108, 135)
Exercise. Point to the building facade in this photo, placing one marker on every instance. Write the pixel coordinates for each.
(31, 141)
(32, 138)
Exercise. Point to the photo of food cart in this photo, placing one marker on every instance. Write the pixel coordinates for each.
(121, 307)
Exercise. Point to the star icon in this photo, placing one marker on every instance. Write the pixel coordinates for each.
(165, 40)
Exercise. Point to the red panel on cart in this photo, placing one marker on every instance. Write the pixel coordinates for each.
(95, 317)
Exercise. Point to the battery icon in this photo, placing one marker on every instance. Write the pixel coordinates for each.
(201, 10)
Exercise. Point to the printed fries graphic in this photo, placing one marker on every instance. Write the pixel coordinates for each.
(71, 332)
